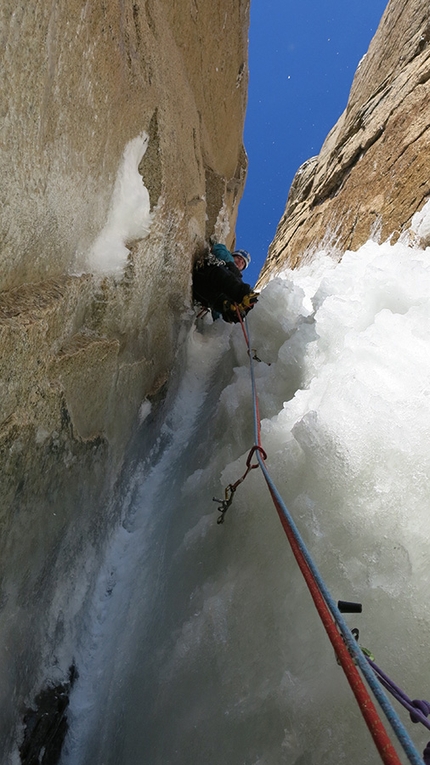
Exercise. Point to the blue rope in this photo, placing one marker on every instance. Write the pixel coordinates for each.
(392, 716)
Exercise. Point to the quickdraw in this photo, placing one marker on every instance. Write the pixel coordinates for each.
(224, 503)
(231, 488)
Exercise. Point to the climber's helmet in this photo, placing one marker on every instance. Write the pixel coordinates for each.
(242, 259)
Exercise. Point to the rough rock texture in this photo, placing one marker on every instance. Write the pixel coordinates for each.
(79, 80)
(80, 351)
(372, 173)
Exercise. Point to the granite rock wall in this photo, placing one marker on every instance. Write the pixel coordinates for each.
(372, 173)
(82, 343)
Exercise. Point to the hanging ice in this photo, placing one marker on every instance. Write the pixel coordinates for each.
(210, 649)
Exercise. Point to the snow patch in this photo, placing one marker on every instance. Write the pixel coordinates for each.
(145, 410)
(222, 225)
(129, 216)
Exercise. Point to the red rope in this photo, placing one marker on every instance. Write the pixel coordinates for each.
(374, 723)
(242, 324)
(257, 408)
(368, 710)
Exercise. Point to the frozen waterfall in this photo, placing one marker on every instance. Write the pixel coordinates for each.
(202, 644)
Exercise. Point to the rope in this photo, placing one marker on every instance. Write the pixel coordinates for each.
(202, 312)
(418, 709)
(323, 601)
(344, 644)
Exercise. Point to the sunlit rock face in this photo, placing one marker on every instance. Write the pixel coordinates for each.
(120, 152)
(79, 81)
(371, 175)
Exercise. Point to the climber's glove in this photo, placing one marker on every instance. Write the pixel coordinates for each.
(248, 302)
(229, 312)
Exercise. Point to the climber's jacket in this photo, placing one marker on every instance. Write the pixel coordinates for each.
(218, 284)
(221, 252)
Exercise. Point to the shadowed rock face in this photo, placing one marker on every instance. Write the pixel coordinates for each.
(46, 725)
(372, 172)
(81, 348)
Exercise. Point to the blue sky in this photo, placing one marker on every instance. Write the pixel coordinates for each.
(302, 58)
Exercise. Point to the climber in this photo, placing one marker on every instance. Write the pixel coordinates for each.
(218, 284)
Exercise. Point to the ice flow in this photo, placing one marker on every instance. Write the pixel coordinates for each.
(210, 649)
